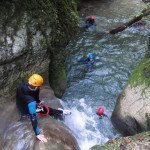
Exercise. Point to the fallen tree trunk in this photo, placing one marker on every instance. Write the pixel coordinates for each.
(144, 13)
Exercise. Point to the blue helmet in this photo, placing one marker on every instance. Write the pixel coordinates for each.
(90, 56)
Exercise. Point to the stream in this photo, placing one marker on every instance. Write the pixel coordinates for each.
(116, 57)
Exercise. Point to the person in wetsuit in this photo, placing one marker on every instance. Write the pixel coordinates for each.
(90, 22)
(27, 98)
(90, 61)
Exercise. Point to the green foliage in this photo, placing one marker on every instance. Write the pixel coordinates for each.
(141, 74)
(43, 42)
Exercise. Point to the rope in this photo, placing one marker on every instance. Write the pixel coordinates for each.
(45, 107)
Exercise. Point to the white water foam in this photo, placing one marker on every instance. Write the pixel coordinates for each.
(84, 126)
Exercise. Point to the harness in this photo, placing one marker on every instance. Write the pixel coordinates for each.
(42, 110)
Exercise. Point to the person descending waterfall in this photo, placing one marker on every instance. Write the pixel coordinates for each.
(100, 112)
(27, 98)
(90, 22)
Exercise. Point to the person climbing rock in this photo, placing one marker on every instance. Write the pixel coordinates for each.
(27, 98)
(90, 22)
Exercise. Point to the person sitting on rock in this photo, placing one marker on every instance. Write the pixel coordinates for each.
(90, 22)
(27, 98)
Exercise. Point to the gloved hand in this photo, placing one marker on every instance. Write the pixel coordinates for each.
(42, 138)
(39, 108)
(41, 102)
(65, 111)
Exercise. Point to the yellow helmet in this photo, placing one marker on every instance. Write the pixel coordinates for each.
(35, 80)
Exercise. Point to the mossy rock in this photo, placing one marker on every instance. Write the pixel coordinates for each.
(141, 140)
(141, 74)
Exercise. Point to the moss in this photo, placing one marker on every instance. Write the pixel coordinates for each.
(117, 143)
(59, 77)
(43, 42)
(147, 55)
(57, 72)
(147, 116)
(141, 74)
(60, 17)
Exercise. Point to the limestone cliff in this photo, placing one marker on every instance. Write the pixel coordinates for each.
(33, 35)
(18, 134)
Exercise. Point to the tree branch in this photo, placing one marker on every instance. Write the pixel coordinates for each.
(144, 13)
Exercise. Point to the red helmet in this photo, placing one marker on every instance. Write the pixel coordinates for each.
(92, 18)
(100, 111)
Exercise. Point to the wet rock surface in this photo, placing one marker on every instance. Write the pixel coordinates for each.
(30, 39)
(137, 142)
(131, 114)
(19, 135)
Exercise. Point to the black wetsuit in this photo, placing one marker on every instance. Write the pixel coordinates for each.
(26, 101)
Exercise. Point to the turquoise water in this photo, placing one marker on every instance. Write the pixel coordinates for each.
(116, 57)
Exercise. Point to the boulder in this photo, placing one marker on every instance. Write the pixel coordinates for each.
(132, 112)
(137, 142)
(19, 135)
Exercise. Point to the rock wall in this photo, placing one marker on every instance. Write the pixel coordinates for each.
(33, 35)
(132, 111)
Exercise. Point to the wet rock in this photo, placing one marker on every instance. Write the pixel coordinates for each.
(146, 1)
(19, 135)
(140, 138)
(127, 140)
(111, 142)
(146, 71)
(122, 147)
(122, 143)
(48, 96)
(30, 41)
(132, 111)
(129, 116)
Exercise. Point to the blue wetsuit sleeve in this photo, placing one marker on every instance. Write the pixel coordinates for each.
(32, 113)
(87, 22)
(94, 24)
